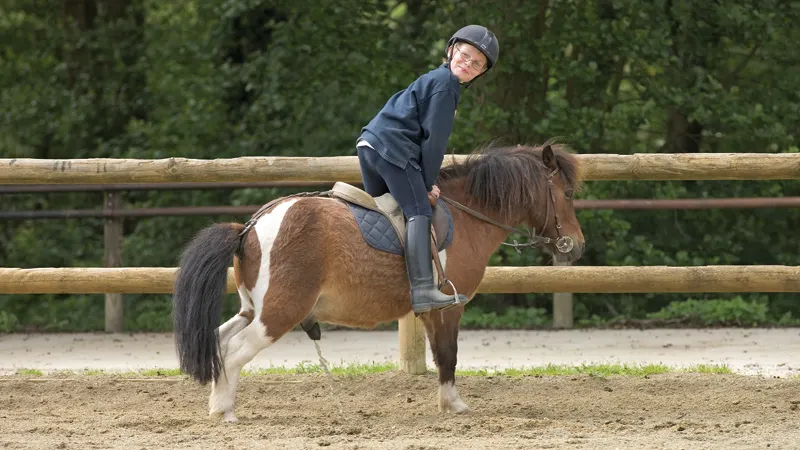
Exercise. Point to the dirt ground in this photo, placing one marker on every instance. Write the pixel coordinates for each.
(398, 411)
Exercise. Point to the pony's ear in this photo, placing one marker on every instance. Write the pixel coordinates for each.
(549, 158)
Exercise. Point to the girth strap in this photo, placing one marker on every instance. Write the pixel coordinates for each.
(437, 263)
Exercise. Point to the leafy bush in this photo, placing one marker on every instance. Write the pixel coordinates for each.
(511, 318)
(735, 311)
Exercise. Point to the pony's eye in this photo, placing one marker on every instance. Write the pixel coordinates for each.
(568, 194)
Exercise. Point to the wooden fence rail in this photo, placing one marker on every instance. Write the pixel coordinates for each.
(640, 166)
(606, 279)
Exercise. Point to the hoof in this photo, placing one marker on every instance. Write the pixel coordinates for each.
(457, 407)
(229, 416)
(450, 401)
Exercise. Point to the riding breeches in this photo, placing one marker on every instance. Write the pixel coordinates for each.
(407, 186)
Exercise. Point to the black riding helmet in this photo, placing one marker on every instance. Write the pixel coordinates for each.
(481, 38)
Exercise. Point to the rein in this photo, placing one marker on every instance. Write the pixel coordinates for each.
(564, 244)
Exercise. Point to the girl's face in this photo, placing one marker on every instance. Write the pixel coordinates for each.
(467, 63)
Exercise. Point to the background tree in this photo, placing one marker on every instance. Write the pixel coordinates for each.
(214, 79)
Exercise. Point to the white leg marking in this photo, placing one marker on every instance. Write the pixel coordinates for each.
(449, 400)
(242, 347)
(244, 298)
(229, 329)
(236, 323)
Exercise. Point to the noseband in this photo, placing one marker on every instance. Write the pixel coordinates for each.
(563, 244)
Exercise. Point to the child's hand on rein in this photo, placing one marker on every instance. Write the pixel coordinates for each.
(433, 195)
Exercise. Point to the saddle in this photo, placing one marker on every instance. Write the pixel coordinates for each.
(382, 222)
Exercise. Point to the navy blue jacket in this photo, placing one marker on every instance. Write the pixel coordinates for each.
(415, 124)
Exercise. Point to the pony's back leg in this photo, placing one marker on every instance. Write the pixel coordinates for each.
(276, 320)
(236, 323)
(239, 342)
(241, 349)
(243, 318)
(288, 283)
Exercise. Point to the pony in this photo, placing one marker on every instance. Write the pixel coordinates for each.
(306, 258)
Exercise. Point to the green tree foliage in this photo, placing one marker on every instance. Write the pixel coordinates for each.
(212, 79)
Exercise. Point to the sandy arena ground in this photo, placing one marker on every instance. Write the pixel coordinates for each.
(758, 407)
(397, 411)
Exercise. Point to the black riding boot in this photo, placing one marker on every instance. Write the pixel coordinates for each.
(424, 295)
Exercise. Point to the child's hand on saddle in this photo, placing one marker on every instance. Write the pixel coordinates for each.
(433, 195)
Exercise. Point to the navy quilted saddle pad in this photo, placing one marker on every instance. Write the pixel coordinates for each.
(379, 233)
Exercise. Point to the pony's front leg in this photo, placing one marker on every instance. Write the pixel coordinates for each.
(442, 330)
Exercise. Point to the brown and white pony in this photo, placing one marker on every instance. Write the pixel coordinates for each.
(307, 256)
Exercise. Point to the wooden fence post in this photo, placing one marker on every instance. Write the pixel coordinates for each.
(562, 307)
(411, 334)
(112, 237)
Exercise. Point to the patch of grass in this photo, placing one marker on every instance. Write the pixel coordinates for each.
(594, 370)
(598, 370)
(359, 369)
(710, 368)
(341, 370)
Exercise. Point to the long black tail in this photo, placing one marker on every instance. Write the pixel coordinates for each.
(197, 301)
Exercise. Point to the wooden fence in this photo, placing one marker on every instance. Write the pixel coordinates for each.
(114, 281)
(644, 166)
(598, 279)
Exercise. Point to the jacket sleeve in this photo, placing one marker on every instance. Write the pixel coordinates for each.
(437, 124)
